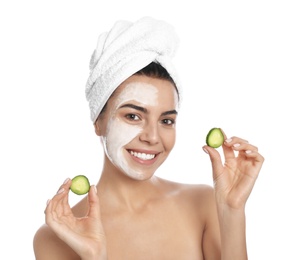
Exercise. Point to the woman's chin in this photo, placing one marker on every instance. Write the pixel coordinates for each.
(139, 175)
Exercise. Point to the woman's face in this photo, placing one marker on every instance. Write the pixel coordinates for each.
(138, 126)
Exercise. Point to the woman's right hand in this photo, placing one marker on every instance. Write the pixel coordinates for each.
(84, 235)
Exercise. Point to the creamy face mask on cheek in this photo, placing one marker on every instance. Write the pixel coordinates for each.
(120, 133)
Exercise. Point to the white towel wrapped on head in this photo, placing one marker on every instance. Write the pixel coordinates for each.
(125, 49)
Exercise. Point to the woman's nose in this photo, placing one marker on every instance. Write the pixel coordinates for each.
(150, 133)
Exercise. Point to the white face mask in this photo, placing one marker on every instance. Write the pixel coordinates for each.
(119, 133)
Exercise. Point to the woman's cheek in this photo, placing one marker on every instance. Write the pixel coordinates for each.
(118, 135)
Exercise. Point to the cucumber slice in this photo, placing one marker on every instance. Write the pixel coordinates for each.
(215, 138)
(80, 185)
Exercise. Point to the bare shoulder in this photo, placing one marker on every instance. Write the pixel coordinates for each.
(47, 246)
(199, 195)
(190, 189)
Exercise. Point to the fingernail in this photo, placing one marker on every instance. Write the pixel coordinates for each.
(66, 180)
(60, 191)
(236, 145)
(248, 151)
(95, 189)
(48, 201)
(228, 140)
(205, 150)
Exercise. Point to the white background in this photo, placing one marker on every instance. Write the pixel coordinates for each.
(241, 64)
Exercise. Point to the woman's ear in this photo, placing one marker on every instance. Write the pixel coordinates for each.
(97, 126)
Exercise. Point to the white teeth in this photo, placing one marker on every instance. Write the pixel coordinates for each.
(143, 156)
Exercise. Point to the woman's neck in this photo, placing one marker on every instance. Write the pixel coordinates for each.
(119, 190)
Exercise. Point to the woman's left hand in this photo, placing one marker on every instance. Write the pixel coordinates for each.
(234, 180)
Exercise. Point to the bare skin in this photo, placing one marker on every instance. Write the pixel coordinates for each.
(136, 215)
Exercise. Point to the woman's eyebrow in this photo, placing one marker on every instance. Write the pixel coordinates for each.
(170, 112)
(144, 110)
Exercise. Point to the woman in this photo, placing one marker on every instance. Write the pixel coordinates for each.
(132, 214)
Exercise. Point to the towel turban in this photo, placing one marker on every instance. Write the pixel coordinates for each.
(125, 49)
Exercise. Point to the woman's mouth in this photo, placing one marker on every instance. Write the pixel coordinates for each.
(143, 156)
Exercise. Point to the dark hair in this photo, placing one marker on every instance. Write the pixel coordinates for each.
(154, 70)
(157, 71)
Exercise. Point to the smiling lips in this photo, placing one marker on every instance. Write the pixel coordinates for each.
(146, 158)
(143, 156)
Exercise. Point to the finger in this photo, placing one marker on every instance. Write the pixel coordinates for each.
(228, 152)
(62, 205)
(235, 144)
(258, 158)
(54, 207)
(234, 139)
(65, 200)
(216, 162)
(94, 207)
(58, 205)
(242, 146)
(55, 203)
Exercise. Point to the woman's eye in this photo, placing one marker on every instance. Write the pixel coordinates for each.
(168, 121)
(132, 117)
